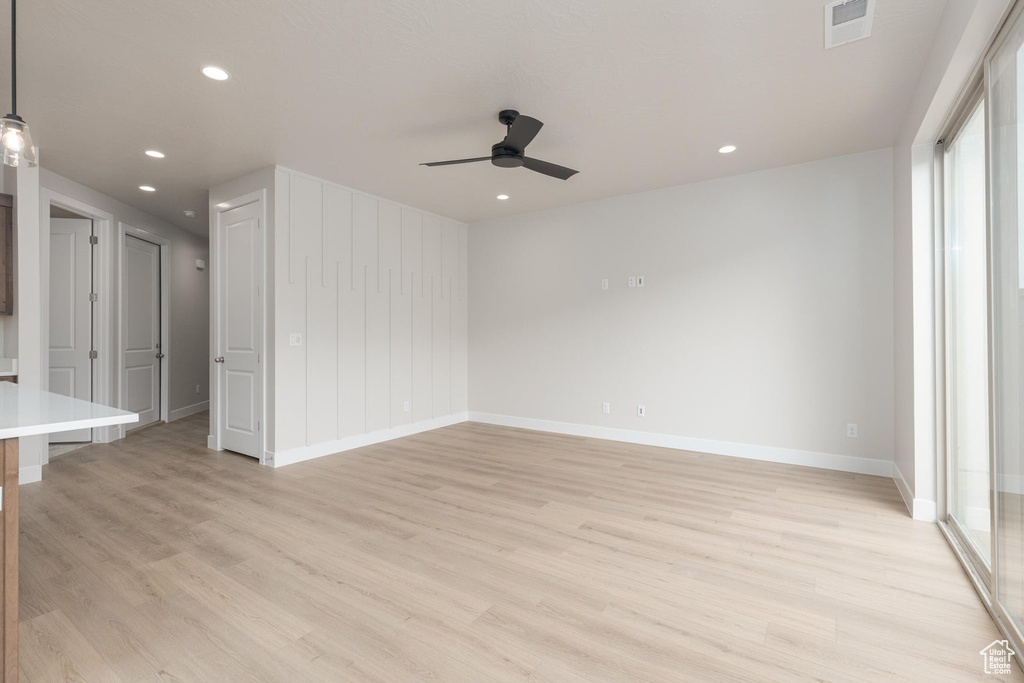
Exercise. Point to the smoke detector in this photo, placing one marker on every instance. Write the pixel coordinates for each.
(847, 21)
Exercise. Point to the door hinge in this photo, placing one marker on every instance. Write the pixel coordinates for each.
(94, 239)
(257, 425)
(94, 297)
(93, 355)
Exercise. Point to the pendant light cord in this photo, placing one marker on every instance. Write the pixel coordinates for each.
(14, 58)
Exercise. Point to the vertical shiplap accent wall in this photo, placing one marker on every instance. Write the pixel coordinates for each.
(378, 292)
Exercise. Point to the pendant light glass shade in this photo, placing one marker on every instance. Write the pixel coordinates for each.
(16, 142)
(16, 146)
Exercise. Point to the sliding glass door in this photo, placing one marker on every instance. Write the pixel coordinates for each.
(966, 342)
(1005, 79)
(983, 294)
(967, 336)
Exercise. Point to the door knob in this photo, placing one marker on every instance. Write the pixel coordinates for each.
(218, 359)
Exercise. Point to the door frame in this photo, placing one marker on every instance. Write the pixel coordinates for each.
(125, 230)
(105, 388)
(213, 441)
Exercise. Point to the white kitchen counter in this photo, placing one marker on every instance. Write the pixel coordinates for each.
(27, 412)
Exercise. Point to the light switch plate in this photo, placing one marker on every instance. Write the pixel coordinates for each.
(604, 283)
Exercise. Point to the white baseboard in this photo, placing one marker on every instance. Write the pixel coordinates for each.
(828, 461)
(904, 488)
(30, 474)
(107, 434)
(188, 410)
(925, 510)
(294, 455)
(919, 508)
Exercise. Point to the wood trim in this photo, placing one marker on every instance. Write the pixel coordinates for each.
(9, 550)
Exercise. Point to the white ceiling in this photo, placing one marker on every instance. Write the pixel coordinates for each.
(635, 94)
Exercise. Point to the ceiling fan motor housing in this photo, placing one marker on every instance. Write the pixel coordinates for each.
(506, 157)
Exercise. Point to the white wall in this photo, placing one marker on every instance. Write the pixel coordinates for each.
(188, 356)
(766, 319)
(378, 292)
(23, 331)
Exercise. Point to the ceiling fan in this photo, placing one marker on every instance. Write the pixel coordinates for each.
(511, 152)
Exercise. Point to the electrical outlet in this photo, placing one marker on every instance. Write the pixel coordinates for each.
(639, 280)
(641, 411)
(851, 430)
(604, 283)
(405, 406)
(197, 388)
(294, 340)
(606, 407)
(632, 280)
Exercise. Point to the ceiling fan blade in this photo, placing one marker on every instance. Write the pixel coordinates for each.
(456, 161)
(547, 168)
(524, 129)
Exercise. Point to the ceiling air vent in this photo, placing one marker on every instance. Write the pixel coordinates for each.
(847, 21)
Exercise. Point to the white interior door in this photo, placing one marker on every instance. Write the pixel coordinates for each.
(239, 329)
(71, 315)
(142, 354)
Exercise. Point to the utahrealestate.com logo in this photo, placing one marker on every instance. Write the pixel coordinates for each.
(998, 657)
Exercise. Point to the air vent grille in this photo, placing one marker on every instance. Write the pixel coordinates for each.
(848, 11)
(847, 21)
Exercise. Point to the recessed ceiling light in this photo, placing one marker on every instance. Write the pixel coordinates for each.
(155, 154)
(727, 149)
(502, 197)
(216, 73)
(147, 188)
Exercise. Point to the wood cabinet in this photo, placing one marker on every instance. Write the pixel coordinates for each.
(6, 254)
(9, 562)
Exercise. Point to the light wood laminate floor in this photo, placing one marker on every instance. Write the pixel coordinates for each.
(478, 553)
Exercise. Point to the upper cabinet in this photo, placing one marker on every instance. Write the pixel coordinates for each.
(6, 254)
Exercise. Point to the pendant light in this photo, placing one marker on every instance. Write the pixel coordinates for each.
(15, 140)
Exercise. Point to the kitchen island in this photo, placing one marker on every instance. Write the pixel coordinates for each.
(30, 412)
